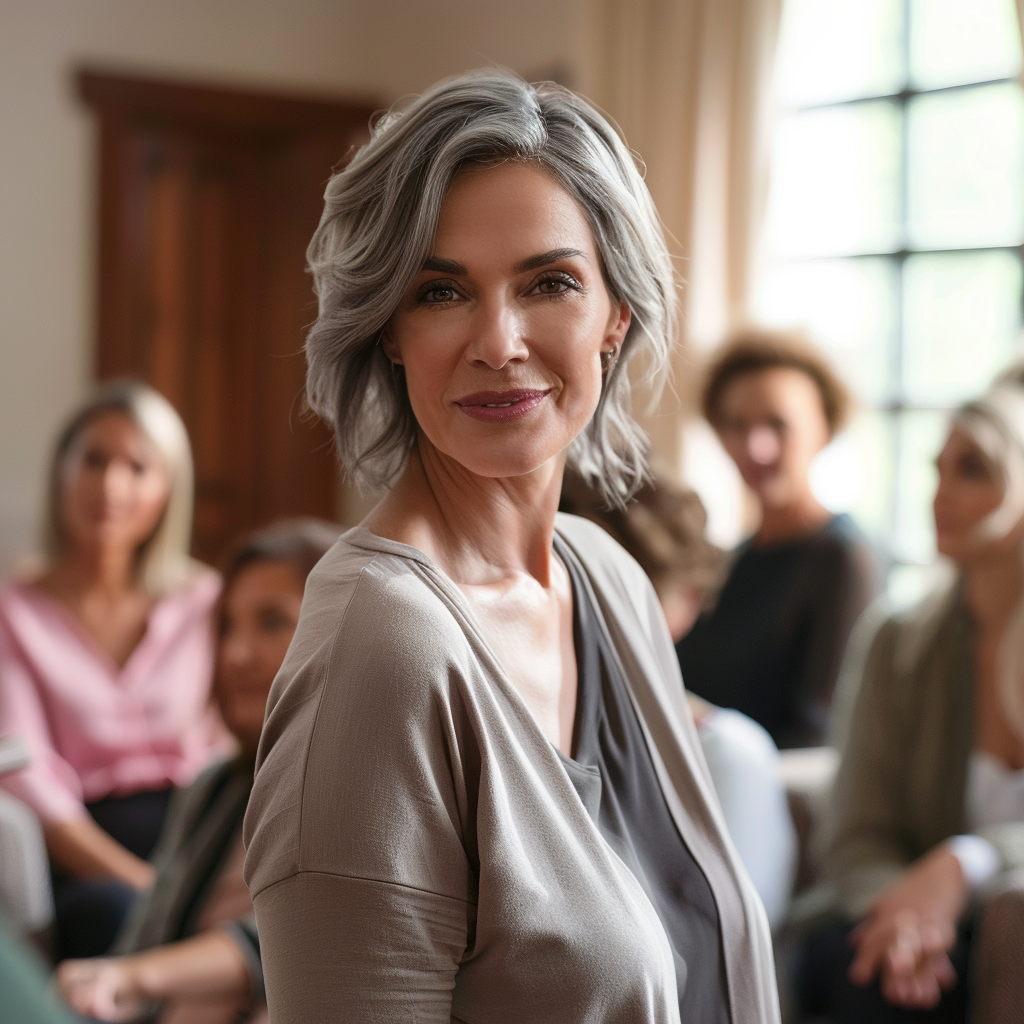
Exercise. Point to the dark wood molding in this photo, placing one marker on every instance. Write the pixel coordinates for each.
(226, 108)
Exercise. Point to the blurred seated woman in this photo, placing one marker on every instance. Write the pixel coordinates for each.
(926, 841)
(663, 529)
(772, 644)
(106, 658)
(479, 795)
(189, 953)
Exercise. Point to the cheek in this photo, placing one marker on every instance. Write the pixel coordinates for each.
(271, 651)
(151, 494)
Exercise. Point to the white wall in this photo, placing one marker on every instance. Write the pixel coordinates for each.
(371, 48)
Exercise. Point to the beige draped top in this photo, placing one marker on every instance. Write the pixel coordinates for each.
(416, 850)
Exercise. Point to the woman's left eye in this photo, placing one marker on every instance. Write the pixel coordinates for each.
(556, 285)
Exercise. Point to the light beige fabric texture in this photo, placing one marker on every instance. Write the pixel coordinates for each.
(416, 851)
(906, 730)
(689, 82)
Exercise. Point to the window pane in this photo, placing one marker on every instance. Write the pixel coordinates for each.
(836, 50)
(847, 306)
(836, 182)
(961, 319)
(965, 152)
(920, 436)
(954, 41)
(855, 473)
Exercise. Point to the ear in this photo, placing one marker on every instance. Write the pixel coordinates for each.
(387, 343)
(619, 320)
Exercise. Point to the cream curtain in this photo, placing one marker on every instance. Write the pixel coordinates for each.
(688, 82)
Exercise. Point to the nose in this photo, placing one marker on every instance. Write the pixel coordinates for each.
(117, 480)
(763, 445)
(498, 335)
(235, 651)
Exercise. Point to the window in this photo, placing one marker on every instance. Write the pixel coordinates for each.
(894, 230)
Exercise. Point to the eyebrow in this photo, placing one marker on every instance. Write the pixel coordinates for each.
(542, 259)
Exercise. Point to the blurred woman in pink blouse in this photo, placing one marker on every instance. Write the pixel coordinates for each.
(106, 658)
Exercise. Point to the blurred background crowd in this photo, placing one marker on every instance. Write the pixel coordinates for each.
(833, 525)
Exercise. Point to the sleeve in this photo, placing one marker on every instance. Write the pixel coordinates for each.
(1007, 838)
(48, 784)
(864, 851)
(843, 585)
(359, 822)
(245, 936)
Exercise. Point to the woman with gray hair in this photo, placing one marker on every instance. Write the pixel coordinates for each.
(926, 839)
(106, 657)
(479, 795)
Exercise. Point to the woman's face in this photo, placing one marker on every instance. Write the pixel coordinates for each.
(772, 423)
(970, 488)
(259, 614)
(114, 485)
(501, 333)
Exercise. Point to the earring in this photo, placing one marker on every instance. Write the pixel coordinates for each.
(608, 360)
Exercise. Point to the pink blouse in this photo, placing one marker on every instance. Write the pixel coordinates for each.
(95, 730)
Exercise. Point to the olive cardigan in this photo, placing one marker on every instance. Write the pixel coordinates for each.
(906, 730)
(416, 850)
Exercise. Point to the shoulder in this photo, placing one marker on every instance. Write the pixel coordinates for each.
(889, 647)
(370, 623)
(30, 620)
(188, 803)
(376, 601)
(198, 592)
(841, 540)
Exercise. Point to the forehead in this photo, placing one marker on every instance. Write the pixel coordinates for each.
(264, 577)
(112, 428)
(775, 387)
(516, 206)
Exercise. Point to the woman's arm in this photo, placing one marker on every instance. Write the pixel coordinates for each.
(82, 849)
(843, 585)
(208, 966)
(865, 850)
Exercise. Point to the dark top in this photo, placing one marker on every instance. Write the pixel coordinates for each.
(773, 644)
(613, 773)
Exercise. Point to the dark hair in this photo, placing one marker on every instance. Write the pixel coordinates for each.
(299, 542)
(756, 349)
(662, 528)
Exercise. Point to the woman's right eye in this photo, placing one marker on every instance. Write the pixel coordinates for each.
(436, 293)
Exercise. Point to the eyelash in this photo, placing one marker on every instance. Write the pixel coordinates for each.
(558, 276)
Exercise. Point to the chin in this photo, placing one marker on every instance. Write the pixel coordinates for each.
(508, 458)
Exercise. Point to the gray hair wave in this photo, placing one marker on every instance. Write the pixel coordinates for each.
(378, 225)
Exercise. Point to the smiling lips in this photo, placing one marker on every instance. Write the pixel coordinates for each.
(501, 406)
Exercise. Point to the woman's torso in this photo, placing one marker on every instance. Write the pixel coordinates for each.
(613, 774)
(772, 645)
(454, 805)
(97, 730)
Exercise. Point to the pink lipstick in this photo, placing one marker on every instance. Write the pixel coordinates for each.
(501, 406)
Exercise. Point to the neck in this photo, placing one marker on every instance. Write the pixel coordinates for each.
(993, 587)
(791, 521)
(110, 570)
(478, 529)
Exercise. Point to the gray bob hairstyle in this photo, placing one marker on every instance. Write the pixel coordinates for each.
(162, 561)
(377, 229)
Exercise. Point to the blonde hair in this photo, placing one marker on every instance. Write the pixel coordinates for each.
(162, 561)
(996, 423)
